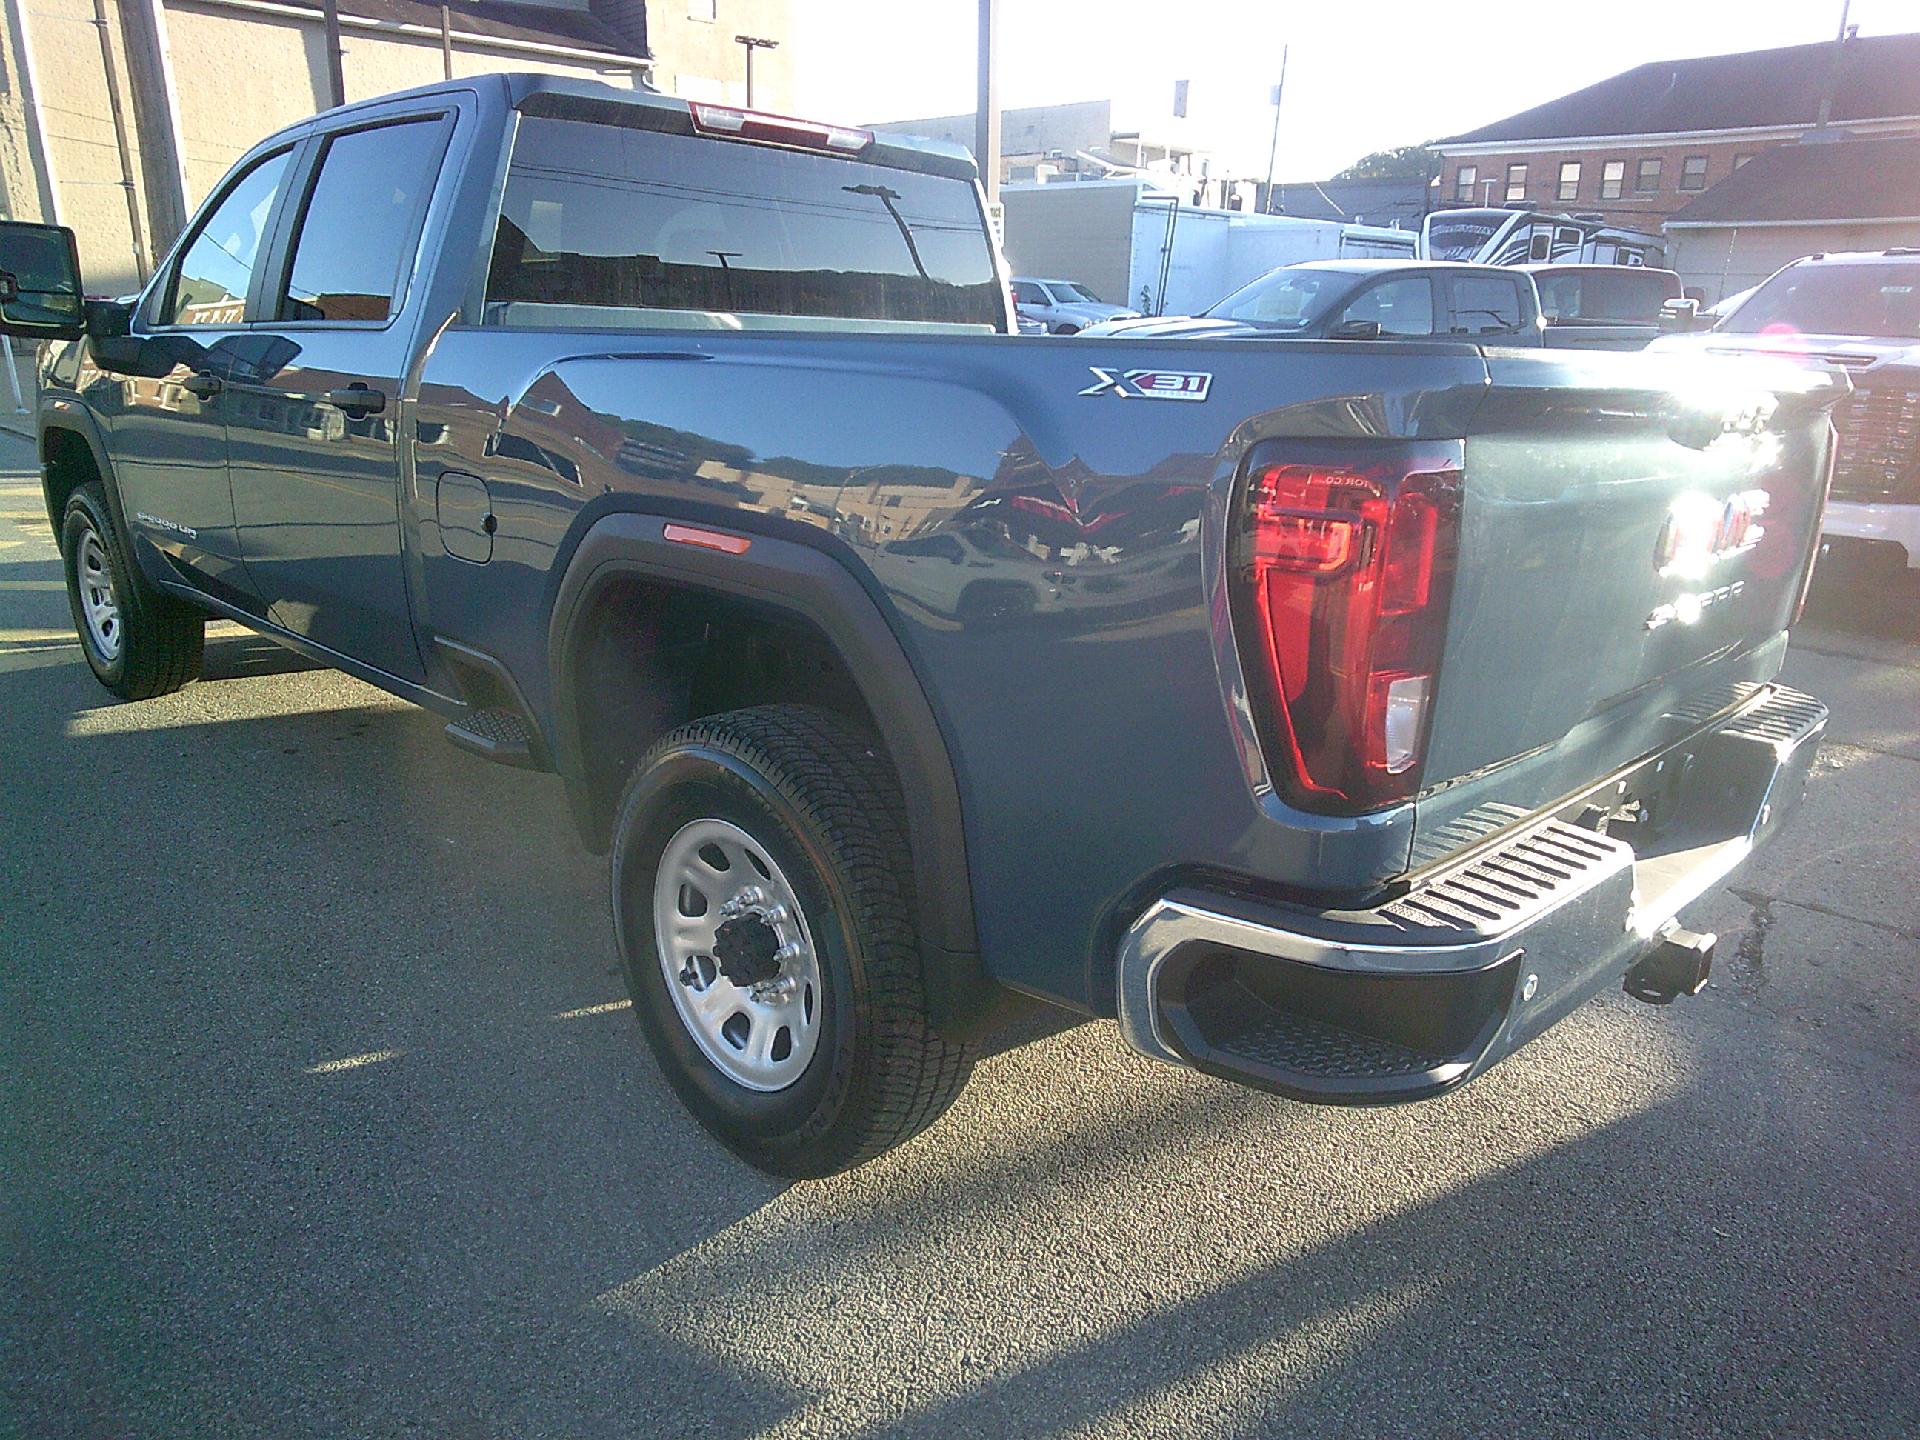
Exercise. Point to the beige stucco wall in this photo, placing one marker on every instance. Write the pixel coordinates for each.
(238, 75)
(79, 131)
(699, 60)
(241, 74)
(1724, 261)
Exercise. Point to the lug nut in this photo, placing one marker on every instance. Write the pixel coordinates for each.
(789, 952)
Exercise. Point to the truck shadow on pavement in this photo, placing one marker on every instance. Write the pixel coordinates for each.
(326, 1119)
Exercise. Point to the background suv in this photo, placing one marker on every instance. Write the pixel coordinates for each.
(1065, 307)
(1859, 311)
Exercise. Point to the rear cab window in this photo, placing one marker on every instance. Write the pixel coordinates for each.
(600, 217)
(1399, 307)
(1486, 305)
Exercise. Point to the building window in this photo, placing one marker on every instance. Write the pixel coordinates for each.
(1693, 173)
(1613, 177)
(1516, 182)
(1463, 182)
(1569, 179)
(1646, 180)
(707, 10)
(1740, 160)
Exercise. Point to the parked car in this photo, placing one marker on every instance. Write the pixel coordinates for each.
(1614, 307)
(1859, 311)
(1360, 300)
(1064, 307)
(1339, 717)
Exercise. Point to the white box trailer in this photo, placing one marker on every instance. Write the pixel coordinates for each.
(1134, 244)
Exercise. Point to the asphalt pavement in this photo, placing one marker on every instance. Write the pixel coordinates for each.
(321, 1114)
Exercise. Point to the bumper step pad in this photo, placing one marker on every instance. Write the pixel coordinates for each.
(1423, 989)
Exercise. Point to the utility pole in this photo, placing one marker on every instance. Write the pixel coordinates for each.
(986, 115)
(753, 43)
(1273, 149)
(446, 41)
(1833, 70)
(336, 55)
(117, 107)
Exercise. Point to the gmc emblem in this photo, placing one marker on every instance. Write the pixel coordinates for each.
(1150, 384)
(1700, 531)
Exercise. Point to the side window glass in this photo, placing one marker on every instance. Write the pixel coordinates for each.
(357, 232)
(1028, 295)
(216, 268)
(1484, 306)
(1399, 307)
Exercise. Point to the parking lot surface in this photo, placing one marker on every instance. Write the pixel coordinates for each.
(321, 1114)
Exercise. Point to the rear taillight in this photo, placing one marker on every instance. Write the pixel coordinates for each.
(778, 129)
(1343, 566)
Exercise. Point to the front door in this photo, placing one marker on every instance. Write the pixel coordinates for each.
(169, 408)
(313, 410)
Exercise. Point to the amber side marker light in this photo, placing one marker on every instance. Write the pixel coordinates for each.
(707, 539)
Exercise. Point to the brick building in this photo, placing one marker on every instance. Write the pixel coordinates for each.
(1796, 200)
(1639, 146)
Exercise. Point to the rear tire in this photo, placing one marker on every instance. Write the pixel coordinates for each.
(817, 942)
(138, 641)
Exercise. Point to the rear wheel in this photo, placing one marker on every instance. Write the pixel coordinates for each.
(765, 910)
(139, 642)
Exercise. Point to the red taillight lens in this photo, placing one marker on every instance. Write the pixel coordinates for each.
(1343, 566)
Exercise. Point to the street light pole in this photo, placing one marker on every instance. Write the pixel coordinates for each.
(753, 43)
(1273, 149)
(986, 116)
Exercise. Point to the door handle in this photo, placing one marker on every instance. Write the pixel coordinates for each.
(202, 385)
(357, 400)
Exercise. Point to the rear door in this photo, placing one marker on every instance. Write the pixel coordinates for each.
(1490, 308)
(1401, 306)
(314, 394)
(169, 448)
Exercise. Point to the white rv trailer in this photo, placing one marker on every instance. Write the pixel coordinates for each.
(1495, 236)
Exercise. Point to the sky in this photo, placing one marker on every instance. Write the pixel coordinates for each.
(1362, 75)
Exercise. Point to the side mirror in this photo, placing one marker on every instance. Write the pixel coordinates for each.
(40, 295)
(1681, 316)
(1355, 330)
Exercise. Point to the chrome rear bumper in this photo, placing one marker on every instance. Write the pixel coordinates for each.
(1416, 994)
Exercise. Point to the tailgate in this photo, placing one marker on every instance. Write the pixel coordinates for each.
(1635, 534)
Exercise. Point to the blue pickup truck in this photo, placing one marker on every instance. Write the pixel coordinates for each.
(1335, 715)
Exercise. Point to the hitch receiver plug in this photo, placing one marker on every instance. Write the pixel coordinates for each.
(1678, 964)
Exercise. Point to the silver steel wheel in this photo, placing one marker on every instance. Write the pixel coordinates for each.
(97, 601)
(738, 957)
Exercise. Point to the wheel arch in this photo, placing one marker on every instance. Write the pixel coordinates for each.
(627, 551)
(72, 452)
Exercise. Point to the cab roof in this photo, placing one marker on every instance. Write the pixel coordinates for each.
(565, 97)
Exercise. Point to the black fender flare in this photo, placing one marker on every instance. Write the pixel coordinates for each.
(812, 585)
(64, 413)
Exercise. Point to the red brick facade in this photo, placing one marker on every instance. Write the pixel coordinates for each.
(1668, 191)
(1672, 188)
